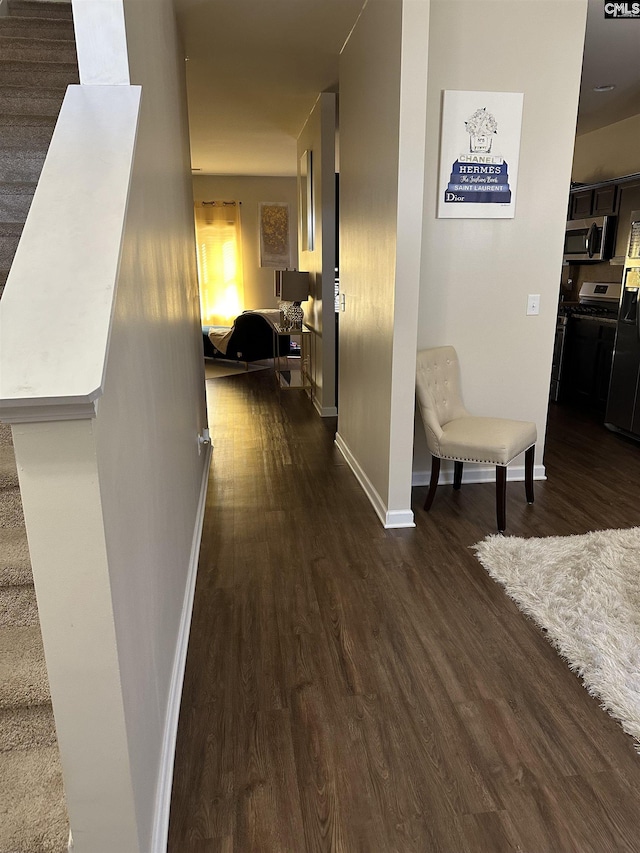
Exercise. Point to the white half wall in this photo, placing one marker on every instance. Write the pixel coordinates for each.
(112, 476)
(60, 492)
(476, 274)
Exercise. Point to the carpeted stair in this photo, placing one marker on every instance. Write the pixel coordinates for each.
(37, 62)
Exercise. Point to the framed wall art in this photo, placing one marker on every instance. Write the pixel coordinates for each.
(275, 242)
(479, 152)
(306, 202)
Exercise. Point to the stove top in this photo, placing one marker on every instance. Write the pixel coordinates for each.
(589, 310)
(597, 299)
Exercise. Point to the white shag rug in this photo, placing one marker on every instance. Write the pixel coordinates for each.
(585, 591)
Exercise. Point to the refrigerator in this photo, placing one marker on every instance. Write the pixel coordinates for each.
(623, 401)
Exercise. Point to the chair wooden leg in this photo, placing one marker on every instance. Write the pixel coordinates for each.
(457, 475)
(433, 485)
(501, 497)
(528, 472)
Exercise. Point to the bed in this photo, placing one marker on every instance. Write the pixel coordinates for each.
(250, 338)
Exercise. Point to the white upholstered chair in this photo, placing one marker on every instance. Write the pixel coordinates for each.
(452, 433)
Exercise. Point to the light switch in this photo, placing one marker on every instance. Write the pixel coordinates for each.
(533, 304)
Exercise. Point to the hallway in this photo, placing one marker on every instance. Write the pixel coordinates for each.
(355, 689)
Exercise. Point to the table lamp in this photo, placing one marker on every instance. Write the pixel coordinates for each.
(292, 288)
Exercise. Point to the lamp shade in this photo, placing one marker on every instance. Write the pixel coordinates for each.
(291, 285)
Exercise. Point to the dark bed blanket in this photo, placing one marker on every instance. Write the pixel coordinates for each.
(251, 340)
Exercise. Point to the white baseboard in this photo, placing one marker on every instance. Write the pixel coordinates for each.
(472, 473)
(165, 777)
(399, 518)
(389, 518)
(325, 411)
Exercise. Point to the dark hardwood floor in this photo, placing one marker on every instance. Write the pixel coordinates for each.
(365, 691)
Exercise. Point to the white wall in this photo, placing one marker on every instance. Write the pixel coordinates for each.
(609, 152)
(382, 125)
(319, 136)
(100, 35)
(476, 274)
(250, 191)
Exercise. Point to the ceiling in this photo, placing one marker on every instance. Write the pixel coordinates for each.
(255, 68)
(611, 55)
(254, 71)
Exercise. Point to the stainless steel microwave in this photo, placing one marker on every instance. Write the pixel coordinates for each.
(588, 240)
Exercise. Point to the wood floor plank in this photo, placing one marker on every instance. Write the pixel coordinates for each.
(594, 820)
(491, 831)
(351, 689)
(268, 816)
(314, 731)
(215, 795)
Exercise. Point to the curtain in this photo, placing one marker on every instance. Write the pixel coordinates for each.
(219, 239)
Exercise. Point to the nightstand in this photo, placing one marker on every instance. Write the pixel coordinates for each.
(292, 371)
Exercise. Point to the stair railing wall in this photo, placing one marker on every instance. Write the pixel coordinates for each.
(101, 378)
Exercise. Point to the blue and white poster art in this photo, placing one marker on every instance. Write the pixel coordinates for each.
(479, 153)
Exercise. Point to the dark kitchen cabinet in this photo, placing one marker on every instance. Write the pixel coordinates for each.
(604, 200)
(598, 201)
(604, 359)
(589, 352)
(581, 202)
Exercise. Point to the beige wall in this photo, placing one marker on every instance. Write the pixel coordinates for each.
(382, 125)
(258, 281)
(148, 426)
(609, 152)
(476, 274)
(369, 117)
(319, 136)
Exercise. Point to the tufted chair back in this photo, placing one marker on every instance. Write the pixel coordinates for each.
(438, 392)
